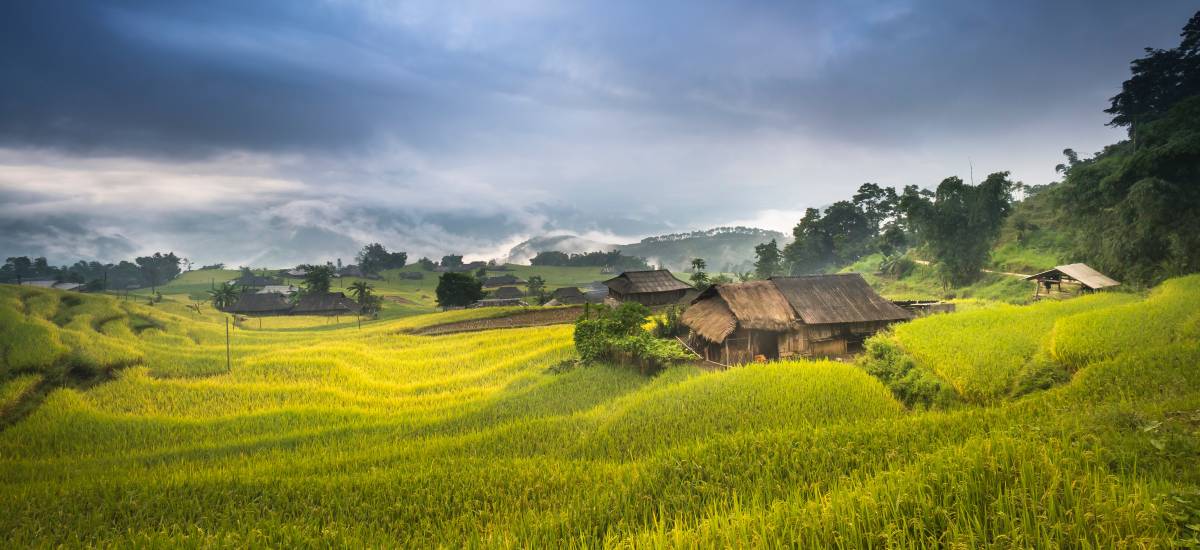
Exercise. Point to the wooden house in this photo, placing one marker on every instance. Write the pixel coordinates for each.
(567, 295)
(652, 288)
(812, 316)
(1079, 277)
(507, 293)
(267, 303)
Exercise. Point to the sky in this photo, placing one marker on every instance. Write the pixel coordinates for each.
(271, 133)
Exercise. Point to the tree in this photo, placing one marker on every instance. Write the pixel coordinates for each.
(20, 267)
(536, 287)
(317, 278)
(699, 277)
(452, 260)
(481, 273)
(962, 222)
(458, 289)
(768, 261)
(375, 257)
(224, 296)
(877, 204)
(361, 290)
(839, 235)
(427, 264)
(1160, 80)
(158, 268)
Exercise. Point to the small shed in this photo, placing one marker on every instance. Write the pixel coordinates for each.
(507, 293)
(652, 288)
(568, 295)
(502, 280)
(328, 303)
(1081, 277)
(813, 316)
(412, 275)
(270, 303)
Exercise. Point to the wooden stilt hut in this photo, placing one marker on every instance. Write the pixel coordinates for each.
(814, 316)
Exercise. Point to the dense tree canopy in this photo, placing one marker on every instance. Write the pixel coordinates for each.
(375, 257)
(769, 260)
(458, 289)
(960, 223)
(612, 259)
(317, 278)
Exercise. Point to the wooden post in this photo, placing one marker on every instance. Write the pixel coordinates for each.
(228, 359)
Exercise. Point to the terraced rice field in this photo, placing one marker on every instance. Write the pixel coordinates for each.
(376, 437)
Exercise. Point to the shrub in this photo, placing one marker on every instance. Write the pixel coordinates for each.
(912, 385)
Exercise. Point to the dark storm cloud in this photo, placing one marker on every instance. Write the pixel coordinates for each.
(316, 126)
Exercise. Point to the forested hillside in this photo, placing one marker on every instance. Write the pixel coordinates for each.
(1131, 210)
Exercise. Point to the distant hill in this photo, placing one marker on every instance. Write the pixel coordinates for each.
(724, 248)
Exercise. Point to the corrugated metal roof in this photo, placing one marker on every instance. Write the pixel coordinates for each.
(1080, 272)
(840, 298)
(637, 282)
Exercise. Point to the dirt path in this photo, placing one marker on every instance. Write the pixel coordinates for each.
(1009, 273)
(531, 318)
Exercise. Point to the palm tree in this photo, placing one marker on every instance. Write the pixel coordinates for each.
(361, 291)
(224, 296)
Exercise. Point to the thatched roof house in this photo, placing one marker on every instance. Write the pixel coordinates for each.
(568, 295)
(1082, 275)
(507, 293)
(329, 303)
(652, 288)
(822, 315)
(502, 280)
(269, 303)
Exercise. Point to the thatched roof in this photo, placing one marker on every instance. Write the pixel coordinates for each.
(755, 305)
(1080, 272)
(507, 293)
(758, 305)
(781, 303)
(260, 303)
(710, 318)
(329, 303)
(638, 282)
(840, 298)
(568, 295)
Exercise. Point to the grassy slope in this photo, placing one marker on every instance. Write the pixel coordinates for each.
(376, 438)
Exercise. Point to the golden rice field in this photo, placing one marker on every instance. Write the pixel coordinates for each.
(374, 437)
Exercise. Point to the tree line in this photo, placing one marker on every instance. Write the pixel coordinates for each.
(151, 270)
(957, 223)
(1132, 210)
(597, 258)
